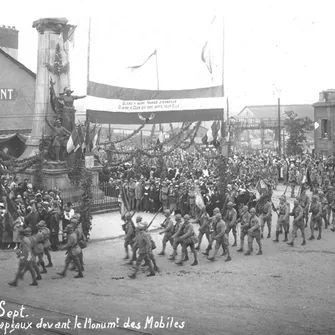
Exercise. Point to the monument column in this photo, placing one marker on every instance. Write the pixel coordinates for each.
(49, 30)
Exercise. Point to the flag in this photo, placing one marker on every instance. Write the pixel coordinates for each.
(261, 187)
(132, 68)
(73, 142)
(90, 134)
(12, 210)
(80, 138)
(124, 202)
(68, 33)
(96, 139)
(199, 201)
(206, 56)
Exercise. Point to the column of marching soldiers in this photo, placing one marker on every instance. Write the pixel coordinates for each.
(181, 233)
(34, 246)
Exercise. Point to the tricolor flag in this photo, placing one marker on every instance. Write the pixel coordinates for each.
(82, 136)
(212, 133)
(96, 139)
(73, 142)
(261, 187)
(68, 33)
(81, 139)
(199, 201)
(132, 68)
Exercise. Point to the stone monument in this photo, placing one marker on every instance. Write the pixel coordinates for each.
(54, 112)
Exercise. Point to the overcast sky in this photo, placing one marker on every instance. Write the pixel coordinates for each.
(286, 43)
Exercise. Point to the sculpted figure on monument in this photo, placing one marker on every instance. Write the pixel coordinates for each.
(58, 141)
(68, 111)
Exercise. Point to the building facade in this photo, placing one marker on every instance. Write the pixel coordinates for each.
(17, 95)
(324, 116)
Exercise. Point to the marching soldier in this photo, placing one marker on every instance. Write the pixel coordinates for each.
(212, 219)
(230, 220)
(245, 225)
(46, 241)
(324, 205)
(292, 180)
(167, 231)
(298, 222)
(329, 196)
(175, 233)
(204, 229)
(134, 249)
(316, 210)
(39, 246)
(283, 214)
(220, 236)
(143, 243)
(129, 229)
(187, 238)
(266, 216)
(304, 199)
(254, 232)
(73, 254)
(27, 259)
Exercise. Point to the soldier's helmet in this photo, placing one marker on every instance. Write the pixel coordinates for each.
(230, 204)
(296, 202)
(178, 217)
(27, 231)
(186, 217)
(216, 210)
(167, 212)
(128, 215)
(252, 210)
(218, 216)
(245, 208)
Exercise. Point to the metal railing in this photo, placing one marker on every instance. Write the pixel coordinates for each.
(105, 198)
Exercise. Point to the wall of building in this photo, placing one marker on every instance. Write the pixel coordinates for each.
(324, 111)
(16, 109)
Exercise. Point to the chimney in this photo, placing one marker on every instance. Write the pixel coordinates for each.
(9, 40)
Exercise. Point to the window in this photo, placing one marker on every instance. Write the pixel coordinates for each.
(325, 129)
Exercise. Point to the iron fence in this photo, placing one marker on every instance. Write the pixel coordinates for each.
(105, 198)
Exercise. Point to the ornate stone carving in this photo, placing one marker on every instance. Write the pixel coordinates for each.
(55, 25)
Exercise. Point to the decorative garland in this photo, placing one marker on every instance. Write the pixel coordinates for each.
(136, 131)
(86, 202)
(38, 174)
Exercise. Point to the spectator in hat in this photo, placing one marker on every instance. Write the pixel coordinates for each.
(17, 225)
(33, 218)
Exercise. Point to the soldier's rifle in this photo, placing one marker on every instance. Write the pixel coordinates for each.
(154, 218)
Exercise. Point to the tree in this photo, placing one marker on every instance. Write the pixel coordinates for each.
(296, 128)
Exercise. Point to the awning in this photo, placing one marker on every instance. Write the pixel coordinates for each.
(5, 138)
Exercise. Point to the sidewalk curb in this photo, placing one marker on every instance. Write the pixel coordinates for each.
(118, 237)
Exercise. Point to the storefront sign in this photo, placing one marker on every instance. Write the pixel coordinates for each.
(8, 94)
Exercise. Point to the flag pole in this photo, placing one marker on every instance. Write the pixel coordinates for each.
(88, 80)
(157, 81)
(88, 52)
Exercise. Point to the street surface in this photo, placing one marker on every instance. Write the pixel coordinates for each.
(287, 290)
